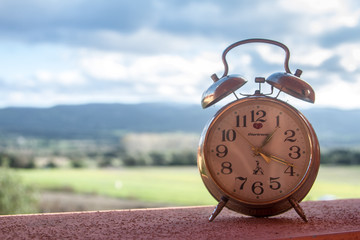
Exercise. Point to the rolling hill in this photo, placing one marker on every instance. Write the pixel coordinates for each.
(334, 127)
(101, 120)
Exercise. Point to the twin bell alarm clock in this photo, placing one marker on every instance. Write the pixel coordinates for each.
(258, 155)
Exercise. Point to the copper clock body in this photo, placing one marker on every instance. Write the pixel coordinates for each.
(259, 153)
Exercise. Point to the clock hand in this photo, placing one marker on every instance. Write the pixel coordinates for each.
(280, 160)
(247, 140)
(269, 157)
(268, 138)
(266, 158)
(256, 150)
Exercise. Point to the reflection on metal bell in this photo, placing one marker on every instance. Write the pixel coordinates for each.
(221, 88)
(292, 85)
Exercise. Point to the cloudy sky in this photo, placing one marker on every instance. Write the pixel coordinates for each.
(76, 51)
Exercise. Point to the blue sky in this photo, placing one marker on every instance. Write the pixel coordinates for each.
(76, 51)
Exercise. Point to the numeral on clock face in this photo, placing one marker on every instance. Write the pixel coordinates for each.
(228, 135)
(258, 187)
(255, 116)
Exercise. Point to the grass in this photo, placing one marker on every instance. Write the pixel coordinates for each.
(336, 181)
(179, 186)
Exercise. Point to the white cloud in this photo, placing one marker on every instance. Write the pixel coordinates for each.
(320, 16)
(64, 78)
(71, 78)
(140, 41)
(167, 55)
(311, 55)
(316, 7)
(104, 66)
(44, 76)
(161, 69)
(271, 54)
(349, 56)
(337, 92)
(48, 98)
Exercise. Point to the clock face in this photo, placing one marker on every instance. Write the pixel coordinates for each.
(258, 150)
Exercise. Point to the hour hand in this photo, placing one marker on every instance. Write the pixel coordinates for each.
(266, 158)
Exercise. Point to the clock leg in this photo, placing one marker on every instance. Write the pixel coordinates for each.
(218, 208)
(298, 209)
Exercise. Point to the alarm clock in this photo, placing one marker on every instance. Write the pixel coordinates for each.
(258, 155)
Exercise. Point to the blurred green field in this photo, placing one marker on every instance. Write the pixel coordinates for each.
(336, 181)
(172, 185)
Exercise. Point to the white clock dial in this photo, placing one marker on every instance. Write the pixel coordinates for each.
(258, 150)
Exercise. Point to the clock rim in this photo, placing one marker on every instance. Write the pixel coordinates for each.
(267, 208)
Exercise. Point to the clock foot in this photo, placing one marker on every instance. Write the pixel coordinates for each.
(218, 208)
(298, 209)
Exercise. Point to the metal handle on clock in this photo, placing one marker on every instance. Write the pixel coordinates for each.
(256, 40)
(284, 81)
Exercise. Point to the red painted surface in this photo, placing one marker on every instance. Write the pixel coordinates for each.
(338, 219)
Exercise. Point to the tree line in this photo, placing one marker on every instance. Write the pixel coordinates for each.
(120, 157)
(107, 159)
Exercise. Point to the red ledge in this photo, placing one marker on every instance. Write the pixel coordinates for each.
(337, 219)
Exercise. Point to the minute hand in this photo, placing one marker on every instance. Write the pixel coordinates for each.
(268, 138)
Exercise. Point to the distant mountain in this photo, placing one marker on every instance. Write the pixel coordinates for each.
(101, 120)
(334, 127)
